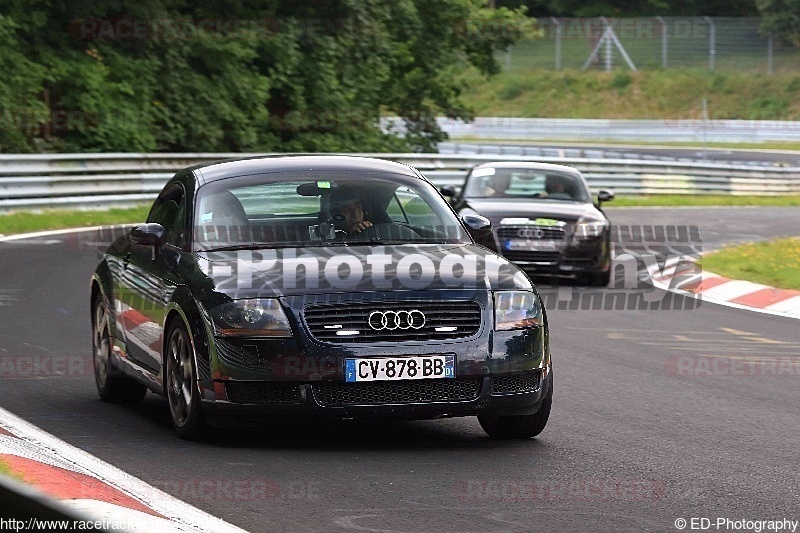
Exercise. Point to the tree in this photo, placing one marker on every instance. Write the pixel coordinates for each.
(153, 75)
(781, 18)
(22, 112)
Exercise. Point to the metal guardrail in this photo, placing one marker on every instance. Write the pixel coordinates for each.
(106, 180)
(699, 130)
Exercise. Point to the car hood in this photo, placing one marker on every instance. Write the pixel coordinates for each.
(496, 210)
(229, 275)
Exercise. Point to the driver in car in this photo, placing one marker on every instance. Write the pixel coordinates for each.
(348, 216)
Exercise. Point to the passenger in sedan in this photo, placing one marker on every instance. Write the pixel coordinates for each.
(497, 186)
(558, 188)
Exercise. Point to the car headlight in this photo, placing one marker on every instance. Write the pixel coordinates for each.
(586, 230)
(516, 310)
(251, 318)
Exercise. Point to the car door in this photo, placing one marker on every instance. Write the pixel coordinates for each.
(149, 279)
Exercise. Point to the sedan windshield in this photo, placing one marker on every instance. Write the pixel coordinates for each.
(322, 208)
(491, 182)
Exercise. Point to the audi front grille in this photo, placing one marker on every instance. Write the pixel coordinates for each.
(393, 321)
(534, 233)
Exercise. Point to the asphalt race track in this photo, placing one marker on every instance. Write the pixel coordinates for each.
(643, 431)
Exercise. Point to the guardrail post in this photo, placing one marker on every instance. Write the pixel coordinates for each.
(663, 41)
(558, 42)
(607, 49)
(712, 43)
(769, 54)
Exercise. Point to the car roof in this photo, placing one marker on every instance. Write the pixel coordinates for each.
(533, 165)
(218, 170)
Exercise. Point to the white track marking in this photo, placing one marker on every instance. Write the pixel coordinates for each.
(182, 516)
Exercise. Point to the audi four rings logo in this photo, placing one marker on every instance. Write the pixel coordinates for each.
(530, 233)
(391, 320)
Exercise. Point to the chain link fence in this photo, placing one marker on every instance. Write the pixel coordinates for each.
(709, 43)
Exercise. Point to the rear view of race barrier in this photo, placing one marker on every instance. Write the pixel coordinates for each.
(107, 180)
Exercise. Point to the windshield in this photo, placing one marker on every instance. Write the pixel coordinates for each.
(322, 208)
(491, 182)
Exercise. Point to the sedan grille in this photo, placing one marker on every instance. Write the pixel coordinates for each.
(396, 392)
(260, 392)
(531, 232)
(351, 322)
(526, 382)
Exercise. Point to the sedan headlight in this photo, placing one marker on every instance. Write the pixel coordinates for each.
(516, 310)
(251, 318)
(587, 230)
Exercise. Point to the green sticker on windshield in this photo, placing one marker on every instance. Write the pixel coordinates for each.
(323, 184)
(545, 222)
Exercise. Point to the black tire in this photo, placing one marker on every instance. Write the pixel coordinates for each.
(519, 426)
(111, 388)
(180, 384)
(599, 279)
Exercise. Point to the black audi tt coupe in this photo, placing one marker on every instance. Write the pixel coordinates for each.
(543, 218)
(317, 286)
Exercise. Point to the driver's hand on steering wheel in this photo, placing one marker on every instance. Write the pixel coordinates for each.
(359, 227)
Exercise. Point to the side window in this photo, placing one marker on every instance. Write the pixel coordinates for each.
(407, 207)
(169, 210)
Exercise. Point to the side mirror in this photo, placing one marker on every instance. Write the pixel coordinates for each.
(605, 195)
(147, 234)
(480, 228)
(447, 190)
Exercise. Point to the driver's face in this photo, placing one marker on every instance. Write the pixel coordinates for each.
(351, 215)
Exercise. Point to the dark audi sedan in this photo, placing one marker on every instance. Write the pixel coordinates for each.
(543, 217)
(311, 286)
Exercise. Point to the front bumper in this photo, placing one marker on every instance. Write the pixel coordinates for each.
(496, 371)
(564, 258)
(309, 404)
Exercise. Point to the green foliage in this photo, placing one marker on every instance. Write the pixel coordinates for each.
(781, 18)
(620, 81)
(513, 88)
(152, 75)
(22, 112)
(770, 107)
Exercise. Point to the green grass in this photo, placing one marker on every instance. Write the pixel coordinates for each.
(651, 94)
(775, 263)
(23, 222)
(678, 200)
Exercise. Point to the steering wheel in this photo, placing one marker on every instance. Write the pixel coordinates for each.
(388, 230)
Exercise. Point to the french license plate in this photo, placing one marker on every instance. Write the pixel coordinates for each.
(399, 368)
(530, 244)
